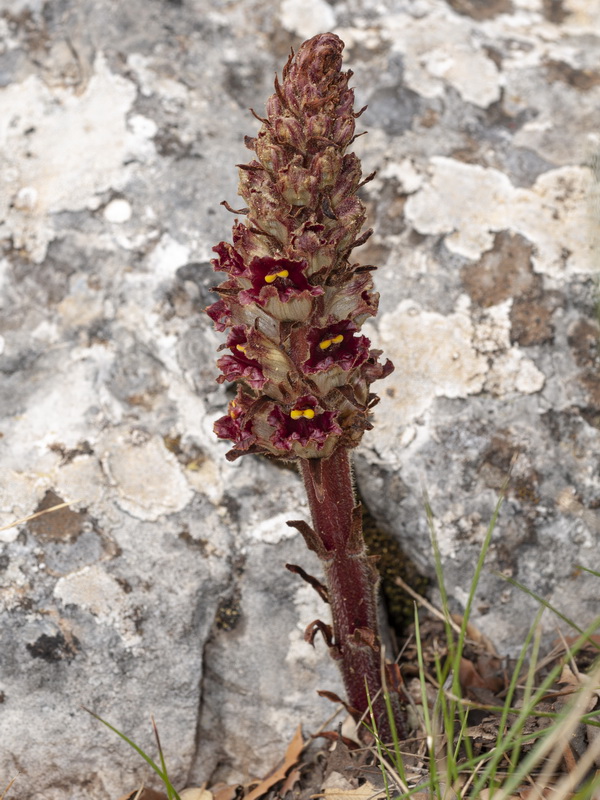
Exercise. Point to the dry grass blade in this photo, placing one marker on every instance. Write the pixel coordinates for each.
(422, 601)
(34, 516)
(7, 790)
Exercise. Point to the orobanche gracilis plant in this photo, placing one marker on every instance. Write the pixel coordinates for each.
(293, 304)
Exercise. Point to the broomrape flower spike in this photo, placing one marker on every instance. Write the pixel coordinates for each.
(293, 303)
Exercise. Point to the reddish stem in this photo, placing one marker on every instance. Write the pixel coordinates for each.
(352, 582)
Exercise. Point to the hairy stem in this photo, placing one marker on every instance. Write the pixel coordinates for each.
(352, 582)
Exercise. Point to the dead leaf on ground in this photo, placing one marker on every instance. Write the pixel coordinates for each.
(223, 791)
(469, 676)
(365, 792)
(196, 793)
(291, 759)
(534, 792)
(143, 793)
(291, 780)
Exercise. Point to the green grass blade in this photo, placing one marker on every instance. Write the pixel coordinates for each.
(434, 783)
(398, 760)
(506, 709)
(162, 774)
(526, 711)
(171, 793)
(587, 569)
(474, 583)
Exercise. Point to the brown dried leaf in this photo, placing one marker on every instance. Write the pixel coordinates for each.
(534, 791)
(291, 759)
(291, 780)
(222, 791)
(575, 681)
(143, 793)
(365, 792)
(469, 676)
(196, 793)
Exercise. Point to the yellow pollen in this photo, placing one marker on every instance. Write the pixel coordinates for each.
(241, 348)
(328, 342)
(302, 412)
(274, 275)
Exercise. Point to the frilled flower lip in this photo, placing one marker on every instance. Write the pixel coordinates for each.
(238, 365)
(281, 278)
(229, 260)
(220, 313)
(304, 425)
(335, 345)
(237, 424)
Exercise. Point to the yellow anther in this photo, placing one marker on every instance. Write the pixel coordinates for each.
(274, 275)
(241, 348)
(328, 342)
(302, 412)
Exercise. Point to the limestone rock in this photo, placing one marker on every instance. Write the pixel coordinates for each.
(161, 588)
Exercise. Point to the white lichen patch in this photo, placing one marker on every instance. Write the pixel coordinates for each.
(439, 49)
(514, 372)
(275, 529)
(80, 481)
(93, 590)
(492, 328)
(405, 173)
(434, 357)
(147, 478)
(470, 203)
(60, 150)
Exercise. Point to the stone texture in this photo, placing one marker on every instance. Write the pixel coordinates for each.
(161, 589)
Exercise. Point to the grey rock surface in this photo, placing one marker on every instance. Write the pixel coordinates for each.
(161, 589)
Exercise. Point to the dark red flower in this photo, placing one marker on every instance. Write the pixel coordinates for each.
(237, 424)
(276, 277)
(229, 259)
(305, 425)
(238, 364)
(220, 314)
(335, 345)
